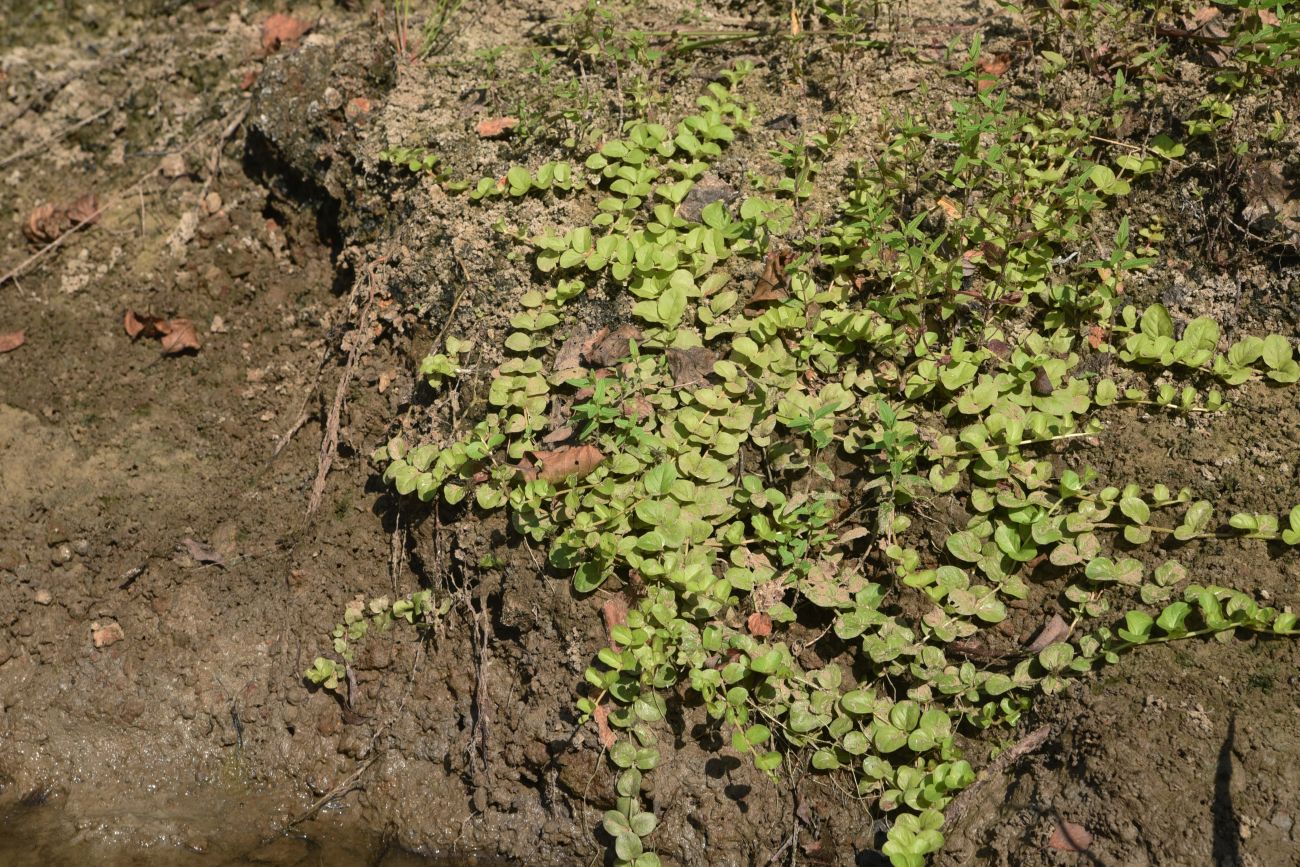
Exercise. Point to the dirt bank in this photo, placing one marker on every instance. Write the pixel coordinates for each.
(163, 589)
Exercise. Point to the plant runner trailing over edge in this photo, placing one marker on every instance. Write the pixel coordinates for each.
(750, 460)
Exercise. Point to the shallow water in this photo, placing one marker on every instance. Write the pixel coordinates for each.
(45, 835)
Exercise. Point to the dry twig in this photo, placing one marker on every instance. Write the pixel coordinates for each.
(963, 802)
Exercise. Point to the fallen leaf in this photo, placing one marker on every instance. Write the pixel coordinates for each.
(559, 435)
(559, 464)
(177, 335)
(615, 613)
(181, 336)
(990, 69)
(606, 347)
(283, 31)
(142, 325)
(1069, 837)
(999, 348)
(1204, 15)
(759, 624)
(770, 285)
(1053, 631)
(690, 366)
(43, 224)
(83, 211)
(249, 79)
(1096, 334)
(603, 731)
(495, 127)
(1041, 385)
(707, 190)
(569, 355)
(1267, 17)
(202, 553)
(949, 207)
(637, 407)
(11, 340)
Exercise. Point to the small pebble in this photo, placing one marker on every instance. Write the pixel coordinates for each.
(55, 534)
(43, 597)
(105, 634)
(332, 98)
(60, 555)
(172, 166)
(357, 109)
(81, 546)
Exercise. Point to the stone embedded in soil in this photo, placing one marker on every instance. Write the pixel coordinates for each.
(1069, 837)
(172, 166)
(43, 597)
(104, 635)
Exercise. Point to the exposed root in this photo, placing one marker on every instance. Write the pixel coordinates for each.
(962, 803)
(329, 445)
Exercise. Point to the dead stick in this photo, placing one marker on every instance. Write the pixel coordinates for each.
(996, 768)
(330, 441)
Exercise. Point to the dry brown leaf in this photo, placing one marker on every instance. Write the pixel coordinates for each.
(181, 336)
(142, 325)
(495, 127)
(11, 340)
(283, 31)
(637, 407)
(1096, 335)
(1041, 385)
(559, 464)
(569, 355)
(177, 335)
(614, 611)
(83, 211)
(1202, 16)
(1053, 631)
(603, 731)
(770, 285)
(559, 435)
(202, 553)
(1069, 837)
(606, 347)
(990, 69)
(690, 366)
(707, 190)
(1267, 17)
(43, 224)
(759, 625)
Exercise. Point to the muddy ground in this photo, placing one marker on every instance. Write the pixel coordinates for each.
(167, 495)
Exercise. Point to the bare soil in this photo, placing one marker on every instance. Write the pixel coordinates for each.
(242, 190)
